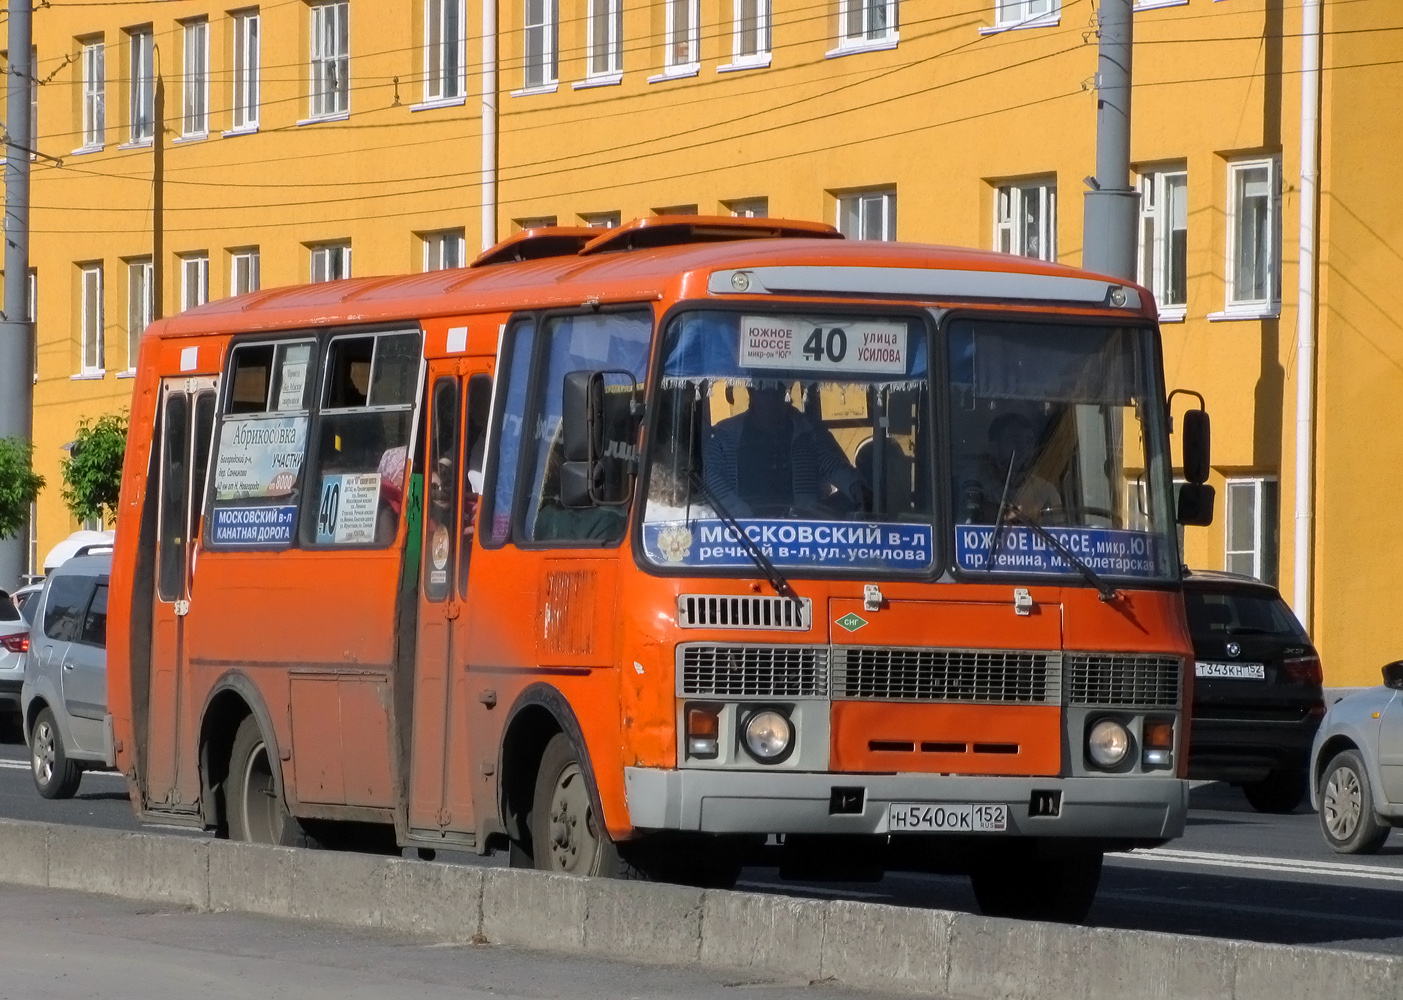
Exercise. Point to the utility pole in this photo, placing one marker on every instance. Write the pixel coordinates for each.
(1112, 205)
(16, 332)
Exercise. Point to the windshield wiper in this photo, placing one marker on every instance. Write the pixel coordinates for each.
(771, 572)
(1104, 589)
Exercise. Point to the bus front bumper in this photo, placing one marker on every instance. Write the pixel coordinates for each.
(713, 801)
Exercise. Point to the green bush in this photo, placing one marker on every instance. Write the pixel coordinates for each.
(92, 473)
(19, 485)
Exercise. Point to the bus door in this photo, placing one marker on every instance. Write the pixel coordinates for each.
(186, 432)
(440, 800)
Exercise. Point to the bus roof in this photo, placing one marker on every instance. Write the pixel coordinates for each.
(873, 269)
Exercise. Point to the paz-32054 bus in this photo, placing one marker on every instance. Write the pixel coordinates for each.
(646, 550)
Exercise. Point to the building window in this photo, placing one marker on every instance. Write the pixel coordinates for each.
(194, 280)
(32, 303)
(196, 84)
(1254, 234)
(682, 42)
(1252, 506)
(444, 250)
(243, 271)
(749, 208)
(676, 210)
(868, 215)
(444, 50)
(606, 32)
(535, 222)
(34, 571)
(94, 94)
(601, 220)
(1025, 220)
(140, 305)
(866, 22)
(540, 43)
(750, 39)
(1015, 13)
(92, 319)
(143, 87)
(33, 107)
(247, 69)
(331, 60)
(1164, 237)
(331, 261)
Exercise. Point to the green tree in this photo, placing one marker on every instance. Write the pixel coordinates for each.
(92, 473)
(19, 485)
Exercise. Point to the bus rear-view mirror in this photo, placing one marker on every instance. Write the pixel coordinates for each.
(1195, 505)
(582, 406)
(1197, 442)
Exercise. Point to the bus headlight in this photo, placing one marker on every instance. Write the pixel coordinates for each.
(1107, 743)
(768, 736)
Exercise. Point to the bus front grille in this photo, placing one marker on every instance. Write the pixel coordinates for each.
(993, 676)
(736, 671)
(1123, 679)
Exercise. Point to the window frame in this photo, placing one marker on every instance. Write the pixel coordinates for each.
(440, 85)
(672, 66)
(325, 251)
(1264, 530)
(1159, 210)
(760, 31)
(545, 75)
(1016, 192)
(194, 88)
(140, 309)
(251, 259)
(864, 39)
(612, 50)
(141, 99)
(200, 260)
(94, 93)
(845, 199)
(333, 100)
(247, 72)
(437, 241)
(92, 325)
(1271, 303)
(1009, 14)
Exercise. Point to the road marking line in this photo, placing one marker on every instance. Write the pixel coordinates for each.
(1272, 911)
(1378, 873)
(20, 765)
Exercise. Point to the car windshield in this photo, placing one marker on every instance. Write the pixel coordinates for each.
(1233, 613)
(810, 431)
(1061, 426)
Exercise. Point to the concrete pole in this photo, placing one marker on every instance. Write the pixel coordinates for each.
(1112, 205)
(16, 332)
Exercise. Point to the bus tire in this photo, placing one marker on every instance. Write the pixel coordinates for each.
(55, 776)
(1029, 887)
(567, 837)
(257, 813)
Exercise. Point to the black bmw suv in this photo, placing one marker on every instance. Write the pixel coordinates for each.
(1257, 690)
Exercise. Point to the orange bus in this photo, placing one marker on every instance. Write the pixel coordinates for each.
(655, 551)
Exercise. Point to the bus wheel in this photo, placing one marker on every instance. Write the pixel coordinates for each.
(257, 814)
(1028, 887)
(566, 835)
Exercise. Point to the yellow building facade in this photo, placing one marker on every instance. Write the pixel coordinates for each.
(304, 141)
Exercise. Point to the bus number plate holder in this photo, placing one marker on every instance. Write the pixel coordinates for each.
(946, 817)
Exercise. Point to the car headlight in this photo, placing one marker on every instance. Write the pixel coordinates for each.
(768, 736)
(1108, 743)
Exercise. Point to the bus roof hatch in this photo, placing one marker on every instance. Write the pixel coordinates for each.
(534, 244)
(677, 230)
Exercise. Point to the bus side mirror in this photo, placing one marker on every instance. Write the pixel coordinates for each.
(600, 412)
(1195, 505)
(1393, 675)
(1197, 445)
(582, 414)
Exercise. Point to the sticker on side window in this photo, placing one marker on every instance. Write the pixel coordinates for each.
(347, 509)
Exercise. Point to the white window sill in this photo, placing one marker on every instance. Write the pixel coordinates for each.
(136, 144)
(874, 45)
(676, 73)
(440, 102)
(1156, 4)
(1263, 310)
(244, 130)
(1050, 21)
(545, 88)
(85, 150)
(746, 62)
(91, 374)
(1173, 314)
(603, 80)
(192, 137)
(129, 373)
(339, 116)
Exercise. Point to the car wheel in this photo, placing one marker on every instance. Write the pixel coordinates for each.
(256, 812)
(1347, 816)
(1279, 792)
(55, 775)
(1031, 888)
(566, 834)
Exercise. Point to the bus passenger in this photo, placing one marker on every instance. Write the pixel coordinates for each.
(775, 461)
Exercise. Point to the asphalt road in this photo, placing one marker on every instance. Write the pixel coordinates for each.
(1234, 874)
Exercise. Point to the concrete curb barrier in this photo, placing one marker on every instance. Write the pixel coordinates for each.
(859, 944)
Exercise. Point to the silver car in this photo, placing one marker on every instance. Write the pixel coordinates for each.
(1357, 766)
(64, 696)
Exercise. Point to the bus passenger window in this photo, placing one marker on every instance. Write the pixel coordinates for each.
(362, 451)
(476, 408)
(175, 493)
(517, 351)
(617, 342)
(441, 506)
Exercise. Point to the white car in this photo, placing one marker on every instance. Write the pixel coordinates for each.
(1357, 766)
(14, 643)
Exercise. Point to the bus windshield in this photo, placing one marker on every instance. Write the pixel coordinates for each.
(1060, 426)
(812, 432)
